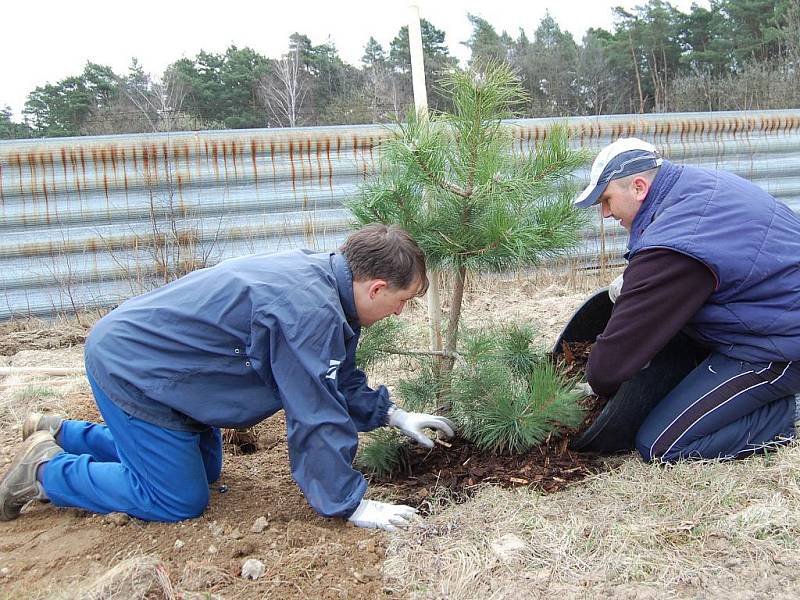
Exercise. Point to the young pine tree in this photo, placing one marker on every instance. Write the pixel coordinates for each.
(454, 182)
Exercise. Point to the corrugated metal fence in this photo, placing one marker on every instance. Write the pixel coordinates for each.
(87, 222)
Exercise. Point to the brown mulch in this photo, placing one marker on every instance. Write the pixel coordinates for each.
(573, 358)
(572, 363)
(459, 467)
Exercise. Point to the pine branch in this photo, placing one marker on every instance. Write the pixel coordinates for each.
(442, 183)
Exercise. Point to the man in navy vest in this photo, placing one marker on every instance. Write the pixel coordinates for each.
(717, 257)
(229, 346)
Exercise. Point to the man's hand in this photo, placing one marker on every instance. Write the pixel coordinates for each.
(615, 289)
(584, 389)
(381, 515)
(411, 424)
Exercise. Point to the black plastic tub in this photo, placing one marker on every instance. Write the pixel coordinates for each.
(614, 429)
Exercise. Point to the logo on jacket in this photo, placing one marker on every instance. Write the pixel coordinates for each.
(332, 369)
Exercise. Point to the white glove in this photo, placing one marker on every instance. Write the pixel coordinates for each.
(381, 515)
(411, 424)
(615, 289)
(584, 389)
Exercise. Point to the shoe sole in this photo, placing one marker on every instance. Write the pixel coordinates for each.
(9, 513)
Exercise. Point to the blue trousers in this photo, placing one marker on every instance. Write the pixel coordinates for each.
(132, 466)
(724, 408)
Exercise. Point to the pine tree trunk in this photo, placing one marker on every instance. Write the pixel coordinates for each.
(451, 337)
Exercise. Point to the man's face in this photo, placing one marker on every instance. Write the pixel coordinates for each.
(376, 299)
(622, 199)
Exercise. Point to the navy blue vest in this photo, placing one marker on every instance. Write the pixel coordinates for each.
(749, 240)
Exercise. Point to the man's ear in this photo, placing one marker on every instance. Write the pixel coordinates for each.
(640, 186)
(375, 286)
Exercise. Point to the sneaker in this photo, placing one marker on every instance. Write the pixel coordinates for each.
(39, 422)
(19, 485)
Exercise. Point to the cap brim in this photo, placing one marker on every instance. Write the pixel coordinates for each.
(590, 196)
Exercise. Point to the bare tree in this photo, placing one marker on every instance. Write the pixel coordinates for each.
(283, 91)
(380, 85)
(160, 102)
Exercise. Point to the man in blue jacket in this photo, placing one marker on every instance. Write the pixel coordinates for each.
(229, 346)
(717, 257)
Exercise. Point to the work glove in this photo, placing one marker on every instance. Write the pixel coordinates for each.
(615, 289)
(584, 389)
(412, 423)
(371, 514)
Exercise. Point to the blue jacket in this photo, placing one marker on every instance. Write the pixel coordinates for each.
(230, 345)
(749, 241)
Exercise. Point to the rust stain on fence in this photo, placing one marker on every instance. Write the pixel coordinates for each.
(215, 158)
(234, 150)
(165, 159)
(113, 156)
(291, 165)
(330, 164)
(253, 154)
(125, 171)
(272, 161)
(309, 162)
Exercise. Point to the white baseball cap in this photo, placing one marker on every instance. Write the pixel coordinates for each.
(626, 156)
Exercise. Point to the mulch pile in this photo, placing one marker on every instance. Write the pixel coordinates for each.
(460, 467)
(572, 363)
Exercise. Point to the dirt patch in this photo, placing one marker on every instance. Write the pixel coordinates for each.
(41, 339)
(49, 550)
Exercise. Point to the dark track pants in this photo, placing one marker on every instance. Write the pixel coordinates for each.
(724, 408)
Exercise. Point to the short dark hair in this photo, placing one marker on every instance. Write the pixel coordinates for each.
(385, 252)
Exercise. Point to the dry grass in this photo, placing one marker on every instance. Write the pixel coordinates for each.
(691, 530)
(80, 322)
(136, 578)
(17, 401)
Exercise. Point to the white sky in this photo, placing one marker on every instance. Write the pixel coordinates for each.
(48, 40)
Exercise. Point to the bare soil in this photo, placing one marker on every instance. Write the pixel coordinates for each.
(48, 551)
(57, 553)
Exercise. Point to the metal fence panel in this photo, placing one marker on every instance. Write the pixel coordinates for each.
(88, 222)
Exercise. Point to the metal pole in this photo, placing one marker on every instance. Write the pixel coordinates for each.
(421, 105)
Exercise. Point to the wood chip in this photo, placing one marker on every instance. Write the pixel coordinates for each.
(569, 357)
(518, 480)
(443, 443)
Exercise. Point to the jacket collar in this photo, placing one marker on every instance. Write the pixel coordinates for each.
(344, 282)
(667, 175)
